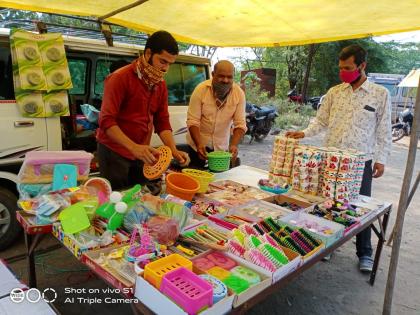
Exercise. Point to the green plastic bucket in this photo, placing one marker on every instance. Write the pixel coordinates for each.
(219, 161)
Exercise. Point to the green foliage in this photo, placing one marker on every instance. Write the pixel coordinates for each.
(291, 115)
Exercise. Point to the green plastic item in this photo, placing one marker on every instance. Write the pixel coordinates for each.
(117, 218)
(74, 219)
(247, 274)
(219, 161)
(236, 284)
(107, 209)
(130, 196)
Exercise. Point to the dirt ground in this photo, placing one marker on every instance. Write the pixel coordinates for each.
(334, 287)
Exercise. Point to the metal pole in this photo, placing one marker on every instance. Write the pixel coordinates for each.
(402, 207)
(127, 7)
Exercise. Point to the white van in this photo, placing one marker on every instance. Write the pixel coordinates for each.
(89, 62)
(401, 97)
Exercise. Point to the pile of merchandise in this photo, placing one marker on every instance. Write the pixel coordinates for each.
(326, 172)
(222, 247)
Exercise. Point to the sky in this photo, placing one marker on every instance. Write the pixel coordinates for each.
(233, 54)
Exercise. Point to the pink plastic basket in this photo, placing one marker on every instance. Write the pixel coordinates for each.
(187, 290)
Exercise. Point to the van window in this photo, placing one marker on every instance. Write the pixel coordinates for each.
(193, 75)
(175, 84)
(392, 88)
(181, 81)
(102, 70)
(78, 72)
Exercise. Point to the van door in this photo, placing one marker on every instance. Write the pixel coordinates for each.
(20, 134)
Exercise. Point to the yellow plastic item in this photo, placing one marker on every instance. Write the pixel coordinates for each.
(247, 23)
(154, 271)
(218, 272)
(204, 178)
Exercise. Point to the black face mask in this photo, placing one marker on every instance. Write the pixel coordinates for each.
(221, 90)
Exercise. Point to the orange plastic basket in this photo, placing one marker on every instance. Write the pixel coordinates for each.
(181, 185)
(155, 171)
(154, 271)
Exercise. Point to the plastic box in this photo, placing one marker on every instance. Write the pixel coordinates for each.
(154, 271)
(38, 166)
(258, 210)
(187, 290)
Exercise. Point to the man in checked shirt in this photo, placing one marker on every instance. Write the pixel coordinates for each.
(356, 114)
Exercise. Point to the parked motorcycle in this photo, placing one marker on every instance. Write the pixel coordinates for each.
(403, 126)
(314, 101)
(259, 120)
(294, 96)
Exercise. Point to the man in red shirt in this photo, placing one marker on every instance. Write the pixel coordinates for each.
(135, 103)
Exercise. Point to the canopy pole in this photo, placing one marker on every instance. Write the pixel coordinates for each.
(122, 9)
(402, 207)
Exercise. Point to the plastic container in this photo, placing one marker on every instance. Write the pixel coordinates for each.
(219, 288)
(154, 271)
(187, 290)
(204, 178)
(219, 161)
(38, 166)
(181, 185)
(74, 218)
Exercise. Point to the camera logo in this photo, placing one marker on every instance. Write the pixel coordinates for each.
(33, 295)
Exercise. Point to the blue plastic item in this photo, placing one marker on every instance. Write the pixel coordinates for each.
(277, 191)
(64, 176)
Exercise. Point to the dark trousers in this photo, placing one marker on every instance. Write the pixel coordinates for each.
(121, 172)
(363, 243)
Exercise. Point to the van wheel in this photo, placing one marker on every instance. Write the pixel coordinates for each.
(9, 226)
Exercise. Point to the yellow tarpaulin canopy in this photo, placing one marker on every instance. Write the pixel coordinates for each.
(411, 80)
(227, 23)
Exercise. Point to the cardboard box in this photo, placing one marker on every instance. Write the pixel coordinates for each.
(161, 304)
(279, 199)
(266, 209)
(265, 275)
(76, 248)
(114, 279)
(328, 240)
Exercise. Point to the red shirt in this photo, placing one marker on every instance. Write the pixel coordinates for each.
(137, 110)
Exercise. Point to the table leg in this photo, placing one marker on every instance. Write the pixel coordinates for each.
(381, 241)
(31, 260)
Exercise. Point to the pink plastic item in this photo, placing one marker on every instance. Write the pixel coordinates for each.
(38, 166)
(221, 260)
(203, 264)
(187, 290)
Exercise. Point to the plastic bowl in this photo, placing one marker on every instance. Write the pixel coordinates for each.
(181, 185)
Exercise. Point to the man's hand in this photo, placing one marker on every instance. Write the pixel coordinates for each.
(145, 153)
(180, 156)
(378, 170)
(234, 150)
(202, 152)
(295, 134)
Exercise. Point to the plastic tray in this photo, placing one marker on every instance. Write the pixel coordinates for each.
(187, 290)
(154, 271)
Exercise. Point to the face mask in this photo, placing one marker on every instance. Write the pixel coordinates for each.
(148, 73)
(349, 76)
(221, 90)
